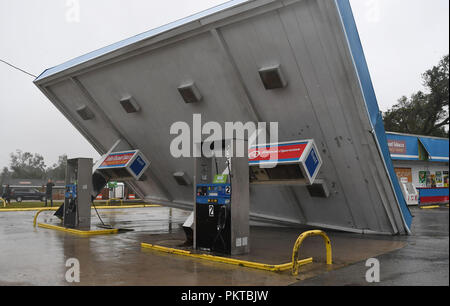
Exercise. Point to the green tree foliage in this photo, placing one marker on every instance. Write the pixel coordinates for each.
(5, 173)
(27, 165)
(424, 113)
(4, 176)
(58, 170)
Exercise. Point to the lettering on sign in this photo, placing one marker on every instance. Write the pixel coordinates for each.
(397, 146)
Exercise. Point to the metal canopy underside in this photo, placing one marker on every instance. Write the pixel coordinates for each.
(329, 98)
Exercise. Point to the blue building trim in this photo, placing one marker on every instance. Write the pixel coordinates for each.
(436, 148)
(412, 145)
(376, 119)
(429, 196)
(433, 192)
(404, 158)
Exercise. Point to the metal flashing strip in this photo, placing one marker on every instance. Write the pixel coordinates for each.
(413, 157)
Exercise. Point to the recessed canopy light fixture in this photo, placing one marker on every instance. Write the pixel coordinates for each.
(272, 77)
(85, 113)
(130, 105)
(319, 189)
(190, 93)
(181, 178)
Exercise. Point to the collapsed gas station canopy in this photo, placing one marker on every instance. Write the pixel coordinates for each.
(296, 62)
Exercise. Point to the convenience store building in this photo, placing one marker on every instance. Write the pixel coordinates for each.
(422, 161)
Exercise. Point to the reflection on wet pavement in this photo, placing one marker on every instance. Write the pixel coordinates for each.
(36, 256)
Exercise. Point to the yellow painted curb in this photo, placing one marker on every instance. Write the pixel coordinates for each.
(79, 232)
(98, 207)
(242, 263)
(56, 208)
(430, 207)
(114, 199)
(28, 209)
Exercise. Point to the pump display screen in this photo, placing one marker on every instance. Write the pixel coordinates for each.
(213, 194)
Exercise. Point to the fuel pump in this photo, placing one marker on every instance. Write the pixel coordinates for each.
(83, 184)
(221, 210)
(77, 196)
(214, 216)
(71, 212)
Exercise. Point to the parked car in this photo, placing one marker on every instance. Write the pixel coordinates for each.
(20, 194)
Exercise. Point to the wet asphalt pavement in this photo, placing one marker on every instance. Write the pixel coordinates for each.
(424, 261)
(37, 256)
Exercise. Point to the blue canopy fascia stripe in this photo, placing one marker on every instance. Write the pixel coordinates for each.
(376, 118)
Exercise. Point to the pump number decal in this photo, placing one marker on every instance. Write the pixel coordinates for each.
(211, 210)
(228, 190)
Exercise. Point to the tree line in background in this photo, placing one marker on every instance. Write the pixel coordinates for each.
(424, 113)
(32, 166)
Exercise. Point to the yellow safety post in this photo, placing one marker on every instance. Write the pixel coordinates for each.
(41, 210)
(4, 202)
(115, 199)
(300, 241)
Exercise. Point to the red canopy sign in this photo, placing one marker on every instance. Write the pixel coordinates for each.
(117, 160)
(277, 153)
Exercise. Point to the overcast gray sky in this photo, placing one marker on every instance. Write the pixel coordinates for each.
(401, 39)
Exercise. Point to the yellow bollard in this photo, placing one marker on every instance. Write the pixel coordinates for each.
(4, 202)
(41, 210)
(300, 241)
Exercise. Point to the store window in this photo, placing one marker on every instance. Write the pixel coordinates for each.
(424, 179)
(404, 174)
(433, 179)
(439, 181)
